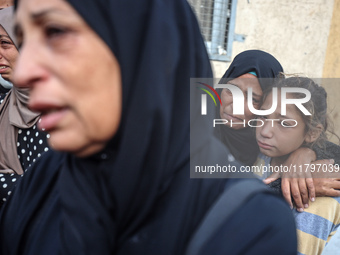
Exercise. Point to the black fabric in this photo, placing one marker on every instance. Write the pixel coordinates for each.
(3, 91)
(265, 232)
(136, 196)
(262, 63)
(242, 143)
(31, 217)
(329, 151)
(144, 177)
(159, 48)
(224, 207)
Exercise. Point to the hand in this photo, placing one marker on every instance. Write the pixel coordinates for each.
(329, 187)
(302, 184)
(298, 185)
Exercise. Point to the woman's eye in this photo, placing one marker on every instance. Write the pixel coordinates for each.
(6, 42)
(256, 101)
(52, 32)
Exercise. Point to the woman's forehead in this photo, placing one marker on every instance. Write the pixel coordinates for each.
(3, 32)
(33, 9)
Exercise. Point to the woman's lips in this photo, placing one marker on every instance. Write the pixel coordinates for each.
(50, 119)
(264, 145)
(3, 69)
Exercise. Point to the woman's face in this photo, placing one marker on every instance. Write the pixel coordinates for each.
(8, 55)
(74, 77)
(226, 111)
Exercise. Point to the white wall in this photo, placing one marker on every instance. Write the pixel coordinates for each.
(294, 31)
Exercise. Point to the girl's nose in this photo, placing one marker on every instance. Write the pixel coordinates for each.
(267, 130)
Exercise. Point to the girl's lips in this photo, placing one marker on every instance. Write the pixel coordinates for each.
(264, 145)
(49, 120)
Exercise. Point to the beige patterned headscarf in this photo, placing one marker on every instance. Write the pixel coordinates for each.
(14, 114)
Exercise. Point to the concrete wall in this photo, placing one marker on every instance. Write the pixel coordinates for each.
(294, 31)
(331, 68)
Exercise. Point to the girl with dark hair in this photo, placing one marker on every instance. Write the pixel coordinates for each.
(278, 139)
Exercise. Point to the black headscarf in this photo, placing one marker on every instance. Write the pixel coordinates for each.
(242, 143)
(136, 196)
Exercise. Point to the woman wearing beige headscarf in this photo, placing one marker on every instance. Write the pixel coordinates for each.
(20, 141)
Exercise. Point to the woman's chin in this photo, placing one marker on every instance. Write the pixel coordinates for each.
(78, 147)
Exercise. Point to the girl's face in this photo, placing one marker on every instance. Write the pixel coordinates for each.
(74, 77)
(226, 110)
(8, 55)
(273, 138)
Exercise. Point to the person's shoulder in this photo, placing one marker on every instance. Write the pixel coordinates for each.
(332, 146)
(43, 170)
(51, 159)
(330, 150)
(262, 224)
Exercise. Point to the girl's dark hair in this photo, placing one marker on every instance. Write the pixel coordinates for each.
(317, 106)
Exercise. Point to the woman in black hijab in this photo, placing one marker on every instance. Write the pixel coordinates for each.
(263, 66)
(111, 79)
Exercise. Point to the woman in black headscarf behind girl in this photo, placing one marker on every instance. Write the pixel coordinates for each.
(241, 142)
(121, 118)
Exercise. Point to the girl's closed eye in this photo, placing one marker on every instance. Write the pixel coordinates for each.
(288, 123)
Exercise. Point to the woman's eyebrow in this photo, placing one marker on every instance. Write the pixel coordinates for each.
(233, 84)
(5, 36)
(38, 17)
(42, 13)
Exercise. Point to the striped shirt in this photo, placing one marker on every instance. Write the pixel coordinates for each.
(317, 224)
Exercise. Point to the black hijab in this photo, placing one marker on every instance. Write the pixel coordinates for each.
(242, 143)
(136, 196)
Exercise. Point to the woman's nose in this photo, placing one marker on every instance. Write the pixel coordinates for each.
(29, 68)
